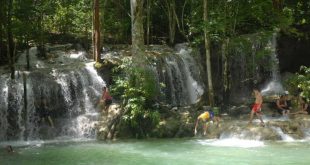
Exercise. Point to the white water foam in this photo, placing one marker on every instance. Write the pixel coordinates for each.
(39, 143)
(79, 55)
(232, 142)
(284, 136)
(280, 118)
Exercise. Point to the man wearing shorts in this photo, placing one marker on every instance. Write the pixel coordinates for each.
(257, 106)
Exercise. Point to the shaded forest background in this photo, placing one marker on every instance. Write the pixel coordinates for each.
(218, 27)
(34, 22)
(222, 29)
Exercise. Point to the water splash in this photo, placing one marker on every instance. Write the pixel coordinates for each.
(284, 136)
(79, 55)
(233, 142)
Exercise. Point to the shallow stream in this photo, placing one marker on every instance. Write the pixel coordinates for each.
(156, 152)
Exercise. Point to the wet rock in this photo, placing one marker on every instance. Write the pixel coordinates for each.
(108, 124)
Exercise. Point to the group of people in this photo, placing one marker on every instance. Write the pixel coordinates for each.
(210, 117)
(283, 106)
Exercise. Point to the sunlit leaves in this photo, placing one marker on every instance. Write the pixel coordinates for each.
(137, 90)
(300, 83)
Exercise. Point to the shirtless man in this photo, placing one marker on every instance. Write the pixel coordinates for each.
(257, 106)
(106, 98)
(282, 105)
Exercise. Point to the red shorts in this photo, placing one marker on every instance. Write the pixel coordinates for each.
(256, 107)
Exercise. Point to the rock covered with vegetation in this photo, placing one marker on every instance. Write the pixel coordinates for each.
(180, 122)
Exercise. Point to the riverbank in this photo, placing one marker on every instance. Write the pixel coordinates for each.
(180, 122)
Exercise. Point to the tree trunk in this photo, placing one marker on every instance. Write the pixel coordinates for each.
(93, 33)
(172, 19)
(208, 55)
(97, 30)
(27, 54)
(102, 19)
(137, 30)
(41, 45)
(225, 71)
(2, 16)
(10, 52)
(148, 21)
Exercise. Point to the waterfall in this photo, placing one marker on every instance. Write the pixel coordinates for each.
(14, 110)
(3, 106)
(306, 132)
(274, 86)
(284, 136)
(194, 89)
(180, 74)
(71, 90)
(253, 61)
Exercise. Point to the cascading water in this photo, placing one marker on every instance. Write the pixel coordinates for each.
(195, 90)
(254, 62)
(3, 106)
(274, 86)
(181, 75)
(284, 136)
(71, 92)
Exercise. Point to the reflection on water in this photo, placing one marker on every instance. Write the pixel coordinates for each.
(155, 152)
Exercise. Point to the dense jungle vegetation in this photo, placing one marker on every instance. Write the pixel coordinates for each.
(208, 24)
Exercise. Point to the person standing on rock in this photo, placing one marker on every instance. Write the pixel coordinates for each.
(257, 107)
(106, 98)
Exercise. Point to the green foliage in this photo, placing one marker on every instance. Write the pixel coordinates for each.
(135, 86)
(300, 82)
(300, 10)
(117, 22)
(228, 19)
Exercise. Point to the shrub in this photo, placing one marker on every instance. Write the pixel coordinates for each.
(300, 83)
(136, 88)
